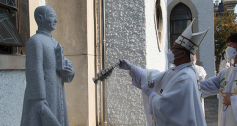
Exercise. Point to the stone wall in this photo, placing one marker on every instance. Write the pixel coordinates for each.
(126, 39)
(156, 59)
(75, 32)
(206, 49)
(12, 89)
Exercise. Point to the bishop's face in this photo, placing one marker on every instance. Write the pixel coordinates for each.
(177, 51)
(50, 20)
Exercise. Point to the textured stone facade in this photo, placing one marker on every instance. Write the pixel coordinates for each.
(12, 86)
(126, 39)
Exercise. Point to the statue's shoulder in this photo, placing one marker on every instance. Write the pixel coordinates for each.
(35, 40)
(36, 37)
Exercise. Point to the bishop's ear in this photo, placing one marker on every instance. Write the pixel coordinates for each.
(183, 53)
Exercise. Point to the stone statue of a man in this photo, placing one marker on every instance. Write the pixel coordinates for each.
(46, 71)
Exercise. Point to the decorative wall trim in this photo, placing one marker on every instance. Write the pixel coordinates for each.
(12, 62)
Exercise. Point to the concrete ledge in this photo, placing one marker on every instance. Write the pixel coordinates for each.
(12, 62)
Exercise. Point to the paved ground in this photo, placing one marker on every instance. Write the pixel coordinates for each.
(211, 111)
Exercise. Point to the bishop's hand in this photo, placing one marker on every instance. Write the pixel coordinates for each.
(124, 64)
(147, 89)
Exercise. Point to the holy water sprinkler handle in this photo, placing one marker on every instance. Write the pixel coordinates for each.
(151, 84)
(104, 74)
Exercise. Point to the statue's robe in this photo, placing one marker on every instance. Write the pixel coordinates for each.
(44, 100)
(177, 100)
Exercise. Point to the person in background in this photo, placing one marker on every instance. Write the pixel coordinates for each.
(201, 71)
(225, 84)
(201, 74)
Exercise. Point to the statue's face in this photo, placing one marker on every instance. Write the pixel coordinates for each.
(50, 20)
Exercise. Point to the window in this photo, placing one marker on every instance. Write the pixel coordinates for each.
(180, 18)
(9, 28)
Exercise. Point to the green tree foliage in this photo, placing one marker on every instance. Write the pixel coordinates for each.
(224, 26)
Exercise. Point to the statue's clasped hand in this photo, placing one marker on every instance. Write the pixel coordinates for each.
(67, 69)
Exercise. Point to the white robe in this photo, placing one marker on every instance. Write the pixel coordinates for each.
(224, 82)
(202, 74)
(179, 103)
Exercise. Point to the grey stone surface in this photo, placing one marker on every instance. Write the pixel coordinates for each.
(211, 111)
(125, 34)
(44, 101)
(12, 86)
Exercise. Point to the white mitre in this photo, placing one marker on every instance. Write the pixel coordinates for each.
(189, 40)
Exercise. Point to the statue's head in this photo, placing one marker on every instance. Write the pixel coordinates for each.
(45, 18)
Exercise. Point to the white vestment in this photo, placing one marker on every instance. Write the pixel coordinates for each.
(201, 74)
(224, 82)
(177, 102)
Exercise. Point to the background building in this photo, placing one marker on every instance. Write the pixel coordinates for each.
(230, 4)
(140, 31)
(219, 7)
